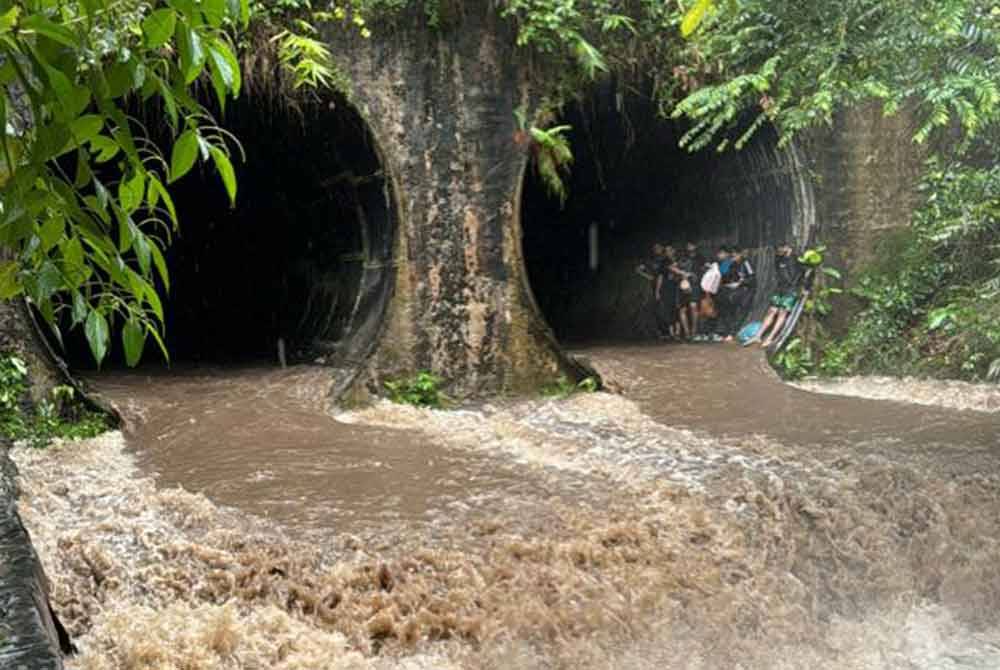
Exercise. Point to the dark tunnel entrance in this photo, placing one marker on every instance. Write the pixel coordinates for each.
(631, 186)
(303, 256)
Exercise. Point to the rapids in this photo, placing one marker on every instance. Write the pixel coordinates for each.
(708, 516)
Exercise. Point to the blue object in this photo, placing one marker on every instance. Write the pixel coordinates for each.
(749, 331)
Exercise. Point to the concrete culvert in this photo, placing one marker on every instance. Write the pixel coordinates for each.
(631, 185)
(304, 257)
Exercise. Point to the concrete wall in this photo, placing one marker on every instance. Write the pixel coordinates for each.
(865, 172)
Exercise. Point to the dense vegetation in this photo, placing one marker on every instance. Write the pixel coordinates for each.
(933, 301)
(61, 415)
(86, 208)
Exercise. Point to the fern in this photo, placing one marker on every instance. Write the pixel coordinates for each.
(553, 158)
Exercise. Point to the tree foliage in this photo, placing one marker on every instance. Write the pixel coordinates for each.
(85, 209)
(933, 309)
(798, 63)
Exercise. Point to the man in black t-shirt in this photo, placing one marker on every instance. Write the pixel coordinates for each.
(666, 292)
(788, 273)
(736, 293)
(691, 265)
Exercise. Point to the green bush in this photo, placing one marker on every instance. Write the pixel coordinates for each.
(795, 360)
(420, 390)
(933, 309)
(61, 415)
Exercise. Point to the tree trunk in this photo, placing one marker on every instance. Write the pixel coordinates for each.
(19, 337)
(440, 105)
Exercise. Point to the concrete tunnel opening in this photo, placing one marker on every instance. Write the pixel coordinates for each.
(631, 185)
(304, 256)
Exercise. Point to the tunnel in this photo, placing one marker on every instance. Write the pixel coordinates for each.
(304, 256)
(631, 185)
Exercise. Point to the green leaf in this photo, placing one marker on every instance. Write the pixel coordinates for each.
(832, 272)
(159, 340)
(10, 286)
(72, 99)
(157, 191)
(72, 254)
(192, 52)
(226, 65)
(694, 17)
(80, 308)
(83, 172)
(104, 147)
(42, 25)
(161, 264)
(184, 155)
(42, 283)
(51, 232)
(159, 26)
(8, 19)
(98, 334)
(214, 11)
(142, 253)
(85, 128)
(169, 101)
(225, 168)
(130, 192)
(133, 341)
(152, 298)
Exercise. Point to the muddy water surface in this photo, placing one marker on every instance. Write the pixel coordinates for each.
(261, 439)
(725, 390)
(710, 517)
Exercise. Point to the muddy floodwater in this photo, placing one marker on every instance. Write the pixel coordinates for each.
(261, 439)
(705, 515)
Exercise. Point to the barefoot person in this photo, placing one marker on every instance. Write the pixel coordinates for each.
(789, 276)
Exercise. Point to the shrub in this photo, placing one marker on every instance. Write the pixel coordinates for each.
(564, 388)
(421, 390)
(933, 310)
(61, 415)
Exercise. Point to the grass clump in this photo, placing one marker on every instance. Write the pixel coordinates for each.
(61, 415)
(564, 388)
(420, 390)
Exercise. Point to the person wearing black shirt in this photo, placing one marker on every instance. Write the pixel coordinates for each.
(736, 294)
(788, 273)
(691, 265)
(666, 292)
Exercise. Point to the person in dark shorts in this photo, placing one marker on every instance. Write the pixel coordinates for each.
(715, 329)
(788, 273)
(736, 293)
(691, 265)
(667, 293)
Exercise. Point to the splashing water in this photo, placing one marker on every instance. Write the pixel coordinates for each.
(646, 531)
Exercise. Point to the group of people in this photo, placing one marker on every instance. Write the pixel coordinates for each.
(701, 299)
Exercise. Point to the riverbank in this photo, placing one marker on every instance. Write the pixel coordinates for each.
(29, 636)
(638, 544)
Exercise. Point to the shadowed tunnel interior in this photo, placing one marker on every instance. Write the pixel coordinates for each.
(631, 185)
(304, 254)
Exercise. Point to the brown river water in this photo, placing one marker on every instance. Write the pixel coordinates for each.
(706, 516)
(260, 439)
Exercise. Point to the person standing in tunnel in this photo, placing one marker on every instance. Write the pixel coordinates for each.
(665, 291)
(736, 293)
(724, 266)
(692, 266)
